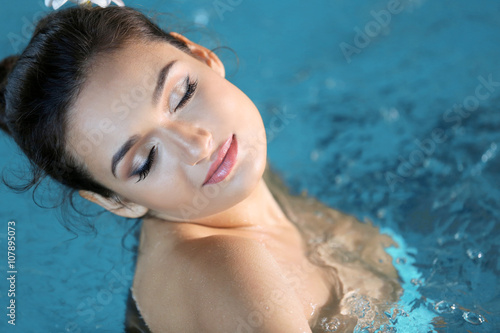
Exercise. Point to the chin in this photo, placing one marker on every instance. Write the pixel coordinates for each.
(239, 186)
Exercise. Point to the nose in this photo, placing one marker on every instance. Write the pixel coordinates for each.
(193, 143)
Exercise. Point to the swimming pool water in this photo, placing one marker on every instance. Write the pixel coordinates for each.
(403, 128)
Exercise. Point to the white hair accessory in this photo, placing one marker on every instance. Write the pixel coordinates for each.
(102, 3)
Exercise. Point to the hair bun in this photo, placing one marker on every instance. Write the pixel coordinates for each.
(6, 67)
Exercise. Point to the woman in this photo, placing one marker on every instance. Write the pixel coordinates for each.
(144, 123)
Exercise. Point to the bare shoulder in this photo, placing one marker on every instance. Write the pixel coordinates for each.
(219, 283)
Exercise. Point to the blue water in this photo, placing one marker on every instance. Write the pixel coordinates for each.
(374, 134)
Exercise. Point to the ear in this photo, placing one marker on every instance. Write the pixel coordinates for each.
(202, 53)
(131, 210)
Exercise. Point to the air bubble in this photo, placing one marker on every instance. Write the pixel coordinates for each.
(474, 254)
(314, 155)
(381, 213)
(330, 83)
(341, 179)
(201, 17)
(473, 318)
(416, 282)
(389, 115)
(331, 326)
(445, 307)
(401, 261)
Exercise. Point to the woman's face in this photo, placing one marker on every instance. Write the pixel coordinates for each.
(167, 131)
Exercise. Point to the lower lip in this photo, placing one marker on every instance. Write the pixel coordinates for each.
(226, 165)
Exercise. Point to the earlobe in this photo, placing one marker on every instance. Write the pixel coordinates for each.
(203, 54)
(130, 210)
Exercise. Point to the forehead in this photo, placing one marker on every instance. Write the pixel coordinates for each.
(118, 88)
(126, 70)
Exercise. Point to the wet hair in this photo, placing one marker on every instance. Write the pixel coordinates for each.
(38, 87)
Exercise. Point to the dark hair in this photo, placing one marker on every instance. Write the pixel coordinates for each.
(38, 87)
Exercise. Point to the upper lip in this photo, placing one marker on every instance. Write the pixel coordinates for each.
(221, 154)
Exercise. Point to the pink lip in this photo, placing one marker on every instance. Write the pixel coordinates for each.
(224, 163)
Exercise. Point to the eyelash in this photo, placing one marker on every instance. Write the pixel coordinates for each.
(143, 171)
(190, 90)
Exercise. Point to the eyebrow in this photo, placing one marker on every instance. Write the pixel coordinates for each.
(160, 84)
(162, 77)
(120, 154)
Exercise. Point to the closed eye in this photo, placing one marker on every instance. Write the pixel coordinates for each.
(145, 168)
(190, 90)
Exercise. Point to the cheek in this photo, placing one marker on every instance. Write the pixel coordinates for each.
(167, 190)
(173, 195)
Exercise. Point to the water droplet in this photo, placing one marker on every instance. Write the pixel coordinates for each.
(473, 318)
(319, 214)
(316, 241)
(444, 307)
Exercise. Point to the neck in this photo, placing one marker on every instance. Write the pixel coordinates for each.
(258, 210)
